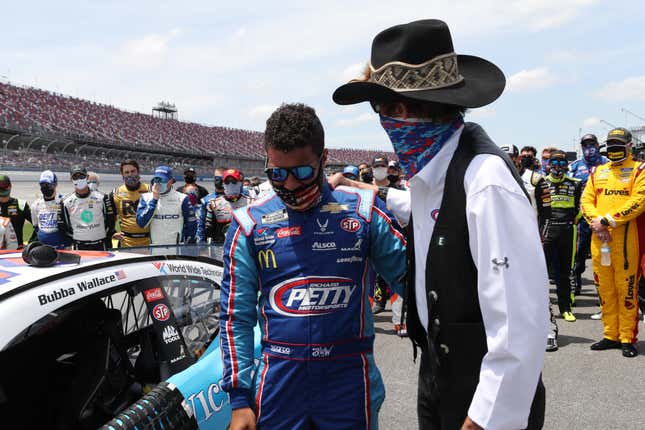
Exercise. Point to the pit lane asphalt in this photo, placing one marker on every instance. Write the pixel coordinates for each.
(585, 389)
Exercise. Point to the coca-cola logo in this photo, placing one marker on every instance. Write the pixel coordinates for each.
(351, 225)
(289, 231)
(153, 295)
(161, 312)
(311, 296)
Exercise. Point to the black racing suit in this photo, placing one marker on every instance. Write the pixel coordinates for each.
(19, 212)
(560, 238)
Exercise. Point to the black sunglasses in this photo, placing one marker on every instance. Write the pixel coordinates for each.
(280, 174)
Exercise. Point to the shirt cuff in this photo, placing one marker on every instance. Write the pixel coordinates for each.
(398, 202)
(240, 398)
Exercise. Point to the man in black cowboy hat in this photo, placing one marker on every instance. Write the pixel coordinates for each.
(477, 300)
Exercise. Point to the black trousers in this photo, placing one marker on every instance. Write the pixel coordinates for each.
(90, 246)
(433, 415)
(559, 248)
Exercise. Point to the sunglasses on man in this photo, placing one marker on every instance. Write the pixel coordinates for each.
(561, 163)
(280, 174)
(77, 176)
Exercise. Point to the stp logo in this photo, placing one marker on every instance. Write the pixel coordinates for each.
(350, 224)
(161, 312)
(153, 294)
(311, 296)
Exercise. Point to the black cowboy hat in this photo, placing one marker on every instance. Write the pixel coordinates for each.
(416, 61)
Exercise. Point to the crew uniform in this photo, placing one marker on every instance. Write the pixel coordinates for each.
(540, 195)
(8, 239)
(171, 219)
(219, 213)
(45, 215)
(616, 191)
(18, 211)
(560, 239)
(317, 369)
(125, 203)
(88, 220)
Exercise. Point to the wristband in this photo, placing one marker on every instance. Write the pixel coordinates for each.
(604, 222)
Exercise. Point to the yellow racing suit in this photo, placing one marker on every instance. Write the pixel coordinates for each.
(616, 192)
(125, 202)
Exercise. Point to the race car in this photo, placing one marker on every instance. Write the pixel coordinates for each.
(121, 340)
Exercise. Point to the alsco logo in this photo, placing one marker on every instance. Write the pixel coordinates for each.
(311, 296)
(266, 258)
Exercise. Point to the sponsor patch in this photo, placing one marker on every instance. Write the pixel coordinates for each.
(273, 217)
(351, 225)
(266, 259)
(334, 208)
(288, 232)
(161, 312)
(153, 294)
(170, 335)
(279, 349)
(352, 259)
(323, 246)
(312, 296)
(321, 351)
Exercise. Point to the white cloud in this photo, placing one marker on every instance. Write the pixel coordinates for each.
(629, 89)
(531, 80)
(481, 113)
(261, 112)
(353, 71)
(149, 51)
(359, 119)
(592, 121)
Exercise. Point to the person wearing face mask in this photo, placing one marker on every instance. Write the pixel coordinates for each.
(167, 212)
(351, 172)
(125, 199)
(481, 337)
(560, 238)
(219, 211)
(93, 181)
(203, 203)
(379, 171)
(190, 178)
(394, 174)
(580, 169)
(15, 209)
(45, 211)
(87, 216)
(612, 201)
(299, 257)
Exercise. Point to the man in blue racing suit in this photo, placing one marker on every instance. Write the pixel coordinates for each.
(580, 169)
(306, 250)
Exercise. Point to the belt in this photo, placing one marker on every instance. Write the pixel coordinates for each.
(321, 351)
(89, 242)
(135, 235)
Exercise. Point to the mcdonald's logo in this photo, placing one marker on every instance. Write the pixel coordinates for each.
(266, 258)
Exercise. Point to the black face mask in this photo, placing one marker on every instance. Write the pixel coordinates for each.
(393, 178)
(616, 153)
(190, 178)
(527, 161)
(219, 183)
(48, 190)
(367, 177)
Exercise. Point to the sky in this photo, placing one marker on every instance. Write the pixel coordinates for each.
(572, 66)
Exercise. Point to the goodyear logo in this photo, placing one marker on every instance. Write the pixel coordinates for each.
(266, 258)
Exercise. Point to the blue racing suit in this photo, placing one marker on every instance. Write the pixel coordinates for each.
(303, 275)
(580, 169)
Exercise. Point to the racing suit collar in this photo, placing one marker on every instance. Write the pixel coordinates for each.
(556, 180)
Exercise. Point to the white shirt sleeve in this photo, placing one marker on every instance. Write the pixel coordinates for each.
(399, 202)
(513, 295)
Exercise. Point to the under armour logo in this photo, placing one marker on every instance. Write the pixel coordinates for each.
(499, 263)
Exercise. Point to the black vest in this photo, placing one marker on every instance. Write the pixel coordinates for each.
(455, 342)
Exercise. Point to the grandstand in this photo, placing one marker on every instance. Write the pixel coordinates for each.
(42, 129)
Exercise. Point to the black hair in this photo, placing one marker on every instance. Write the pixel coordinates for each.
(294, 125)
(129, 162)
(530, 149)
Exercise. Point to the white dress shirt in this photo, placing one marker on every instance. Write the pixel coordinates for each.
(513, 299)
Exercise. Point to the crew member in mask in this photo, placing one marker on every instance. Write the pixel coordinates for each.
(612, 200)
(303, 253)
(379, 171)
(560, 237)
(219, 211)
(527, 158)
(168, 213)
(203, 202)
(190, 177)
(45, 211)
(93, 181)
(15, 209)
(367, 174)
(125, 199)
(87, 216)
(351, 172)
(394, 174)
(580, 169)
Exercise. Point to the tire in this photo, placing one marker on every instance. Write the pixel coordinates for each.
(161, 408)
